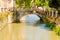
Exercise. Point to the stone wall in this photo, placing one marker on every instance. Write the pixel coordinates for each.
(5, 5)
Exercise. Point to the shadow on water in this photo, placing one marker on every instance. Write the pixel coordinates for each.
(42, 26)
(39, 25)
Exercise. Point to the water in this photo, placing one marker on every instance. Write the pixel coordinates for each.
(22, 31)
(27, 31)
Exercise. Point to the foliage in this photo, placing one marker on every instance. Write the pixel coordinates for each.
(51, 25)
(37, 2)
(54, 3)
(20, 3)
(57, 30)
(41, 2)
(0, 16)
(29, 3)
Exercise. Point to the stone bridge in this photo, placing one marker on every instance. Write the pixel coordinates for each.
(51, 15)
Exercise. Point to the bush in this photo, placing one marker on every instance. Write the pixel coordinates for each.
(57, 30)
(1, 17)
(49, 24)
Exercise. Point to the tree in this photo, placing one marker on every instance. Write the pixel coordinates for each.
(54, 3)
(28, 3)
(20, 3)
(41, 2)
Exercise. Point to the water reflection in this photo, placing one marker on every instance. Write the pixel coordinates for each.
(23, 31)
(26, 31)
(35, 33)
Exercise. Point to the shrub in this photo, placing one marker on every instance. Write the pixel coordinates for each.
(57, 30)
(1, 17)
(49, 24)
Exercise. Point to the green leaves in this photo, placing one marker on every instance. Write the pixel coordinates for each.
(37, 2)
(21, 3)
(57, 30)
(54, 3)
(28, 3)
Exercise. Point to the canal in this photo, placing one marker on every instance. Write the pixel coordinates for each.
(23, 31)
(27, 30)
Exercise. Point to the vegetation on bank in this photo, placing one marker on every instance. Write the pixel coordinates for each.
(57, 30)
(4, 16)
(49, 24)
(52, 25)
